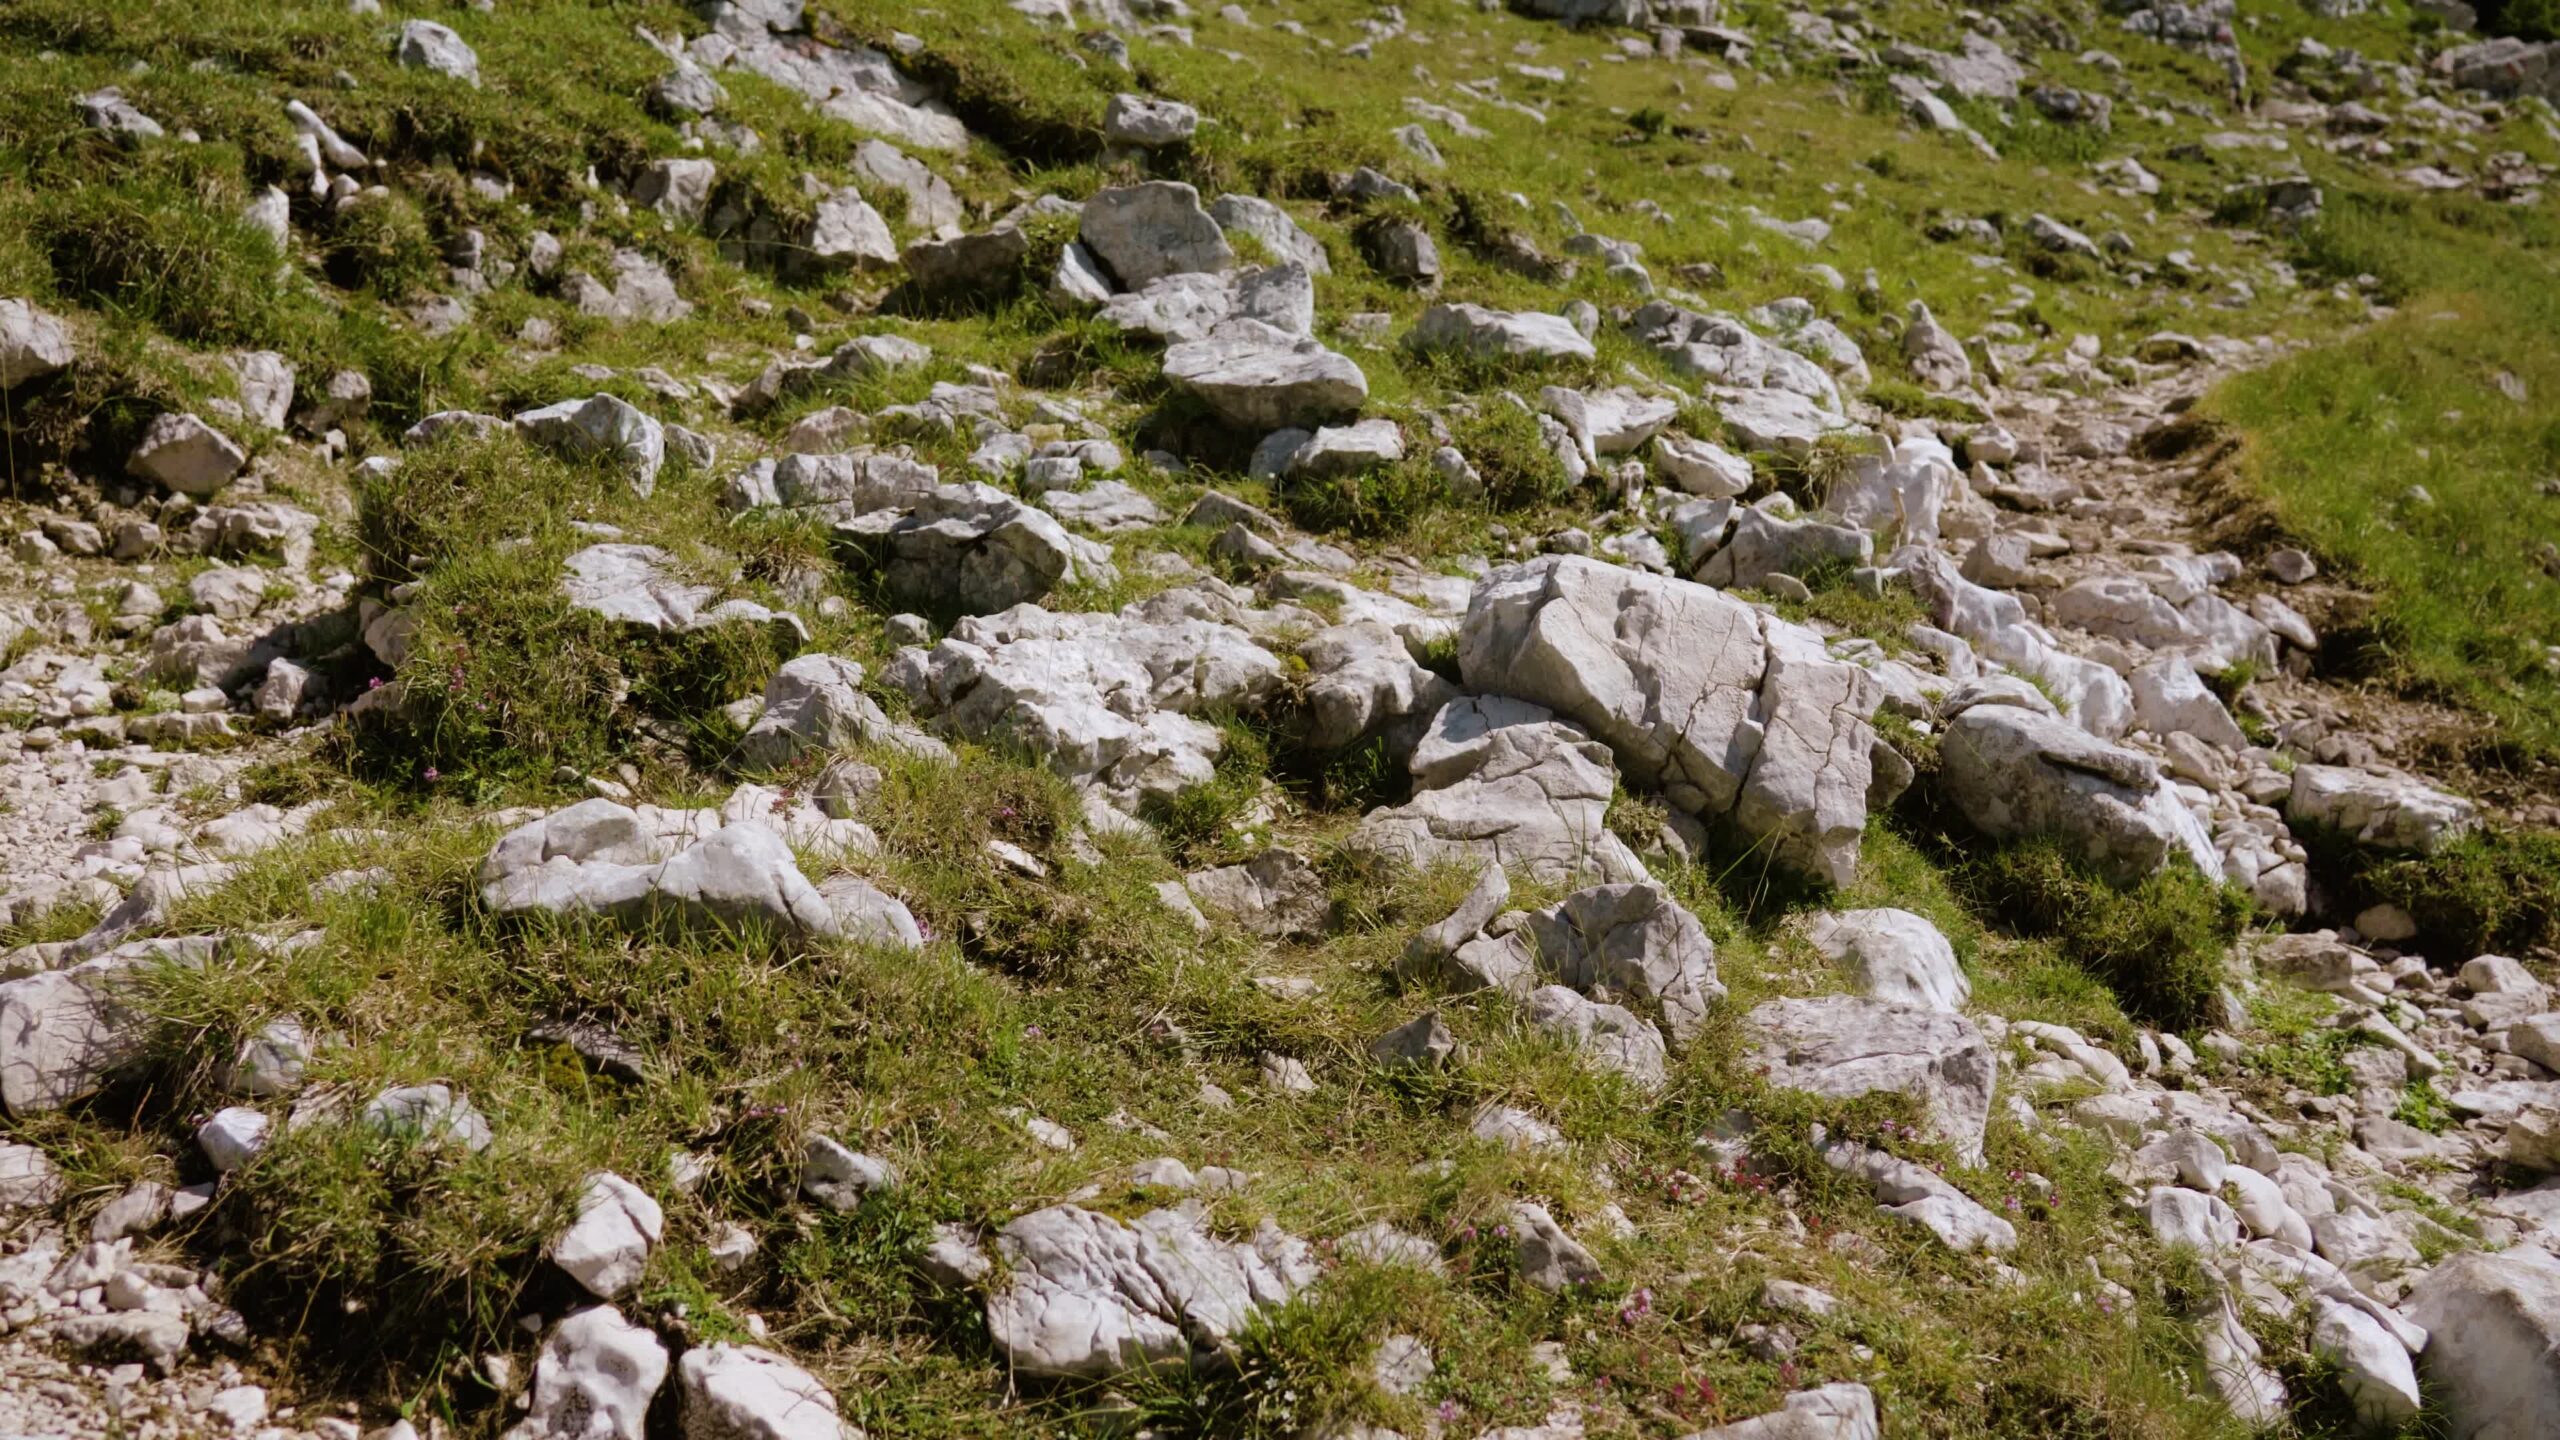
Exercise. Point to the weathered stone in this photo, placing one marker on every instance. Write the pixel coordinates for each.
(593, 1379)
(184, 454)
(601, 427)
(1842, 1047)
(2013, 773)
(2493, 1346)
(1094, 1297)
(1487, 334)
(1892, 955)
(1505, 781)
(1152, 229)
(745, 1392)
(1260, 376)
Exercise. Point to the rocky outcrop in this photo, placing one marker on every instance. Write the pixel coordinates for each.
(1505, 781)
(1842, 1047)
(1090, 1297)
(1730, 712)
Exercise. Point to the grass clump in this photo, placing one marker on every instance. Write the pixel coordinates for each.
(158, 250)
(2492, 891)
(2158, 944)
(1519, 469)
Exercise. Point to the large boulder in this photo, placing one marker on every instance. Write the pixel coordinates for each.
(2013, 773)
(1842, 1047)
(1263, 377)
(1721, 349)
(2493, 1347)
(1240, 214)
(1503, 780)
(1088, 1296)
(1730, 712)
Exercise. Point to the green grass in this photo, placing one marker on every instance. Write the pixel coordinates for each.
(2159, 945)
(2340, 438)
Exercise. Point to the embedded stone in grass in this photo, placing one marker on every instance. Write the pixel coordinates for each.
(1487, 334)
(65, 1033)
(1258, 375)
(232, 1137)
(2379, 809)
(426, 45)
(28, 1179)
(430, 1116)
(1276, 895)
(1146, 123)
(601, 427)
(1892, 955)
(1152, 229)
(744, 1392)
(186, 455)
(606, 1247)
(33, 344)
(840, 1178)
(1089, 1296)
(1548, 1258)
(1912, 1192)
(974, 549)
(1608, 1037)
(1841, 1047)
(1842, 1411)
(638, 585)
(1272, 226)
(593, 1379)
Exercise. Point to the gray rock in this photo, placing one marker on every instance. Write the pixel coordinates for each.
(1276, 895)
(1636, 941)
(1730, 712)
(1422, 1043)
(1260, 376)
(1892, 955)
(2013, 773)
(2379, 809)
(984, 262)
(593, 1379)
(679, 188)
(1608, 1037)
(1271, 225)
(426, 45)
(33, 344)
(599, 858)
(1089, 1296)
(974, 550)
(1484, 334)
(1841, 1046)
(1548, 1258)
(64, 1033)
(840, 1178)
(1505, 781)
(815, 702)
(637, 585)
(606, 1245)
(2493, 1341)
(600, 427)
(1148, 124)
(428, 1116)
(1841, 1411)
(186, 455)
(744, 1392)
(1152, 229)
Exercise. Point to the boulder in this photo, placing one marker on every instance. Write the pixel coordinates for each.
(1152, 229)
(593, 1379)
(1892, 955)
(1547, 1258)
(1092, 1297)
(2493, 1347)
(2013, 773)
(815, 703)
(1912, 1192)
(1262, 377)
(1730, 712)
(977, 264)
(1148, 124)
(973, 550)
(184, 454)
(1841, 1046)
(1636, 941)
(1722, 350)
(1362, 681)
(1505, 781)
